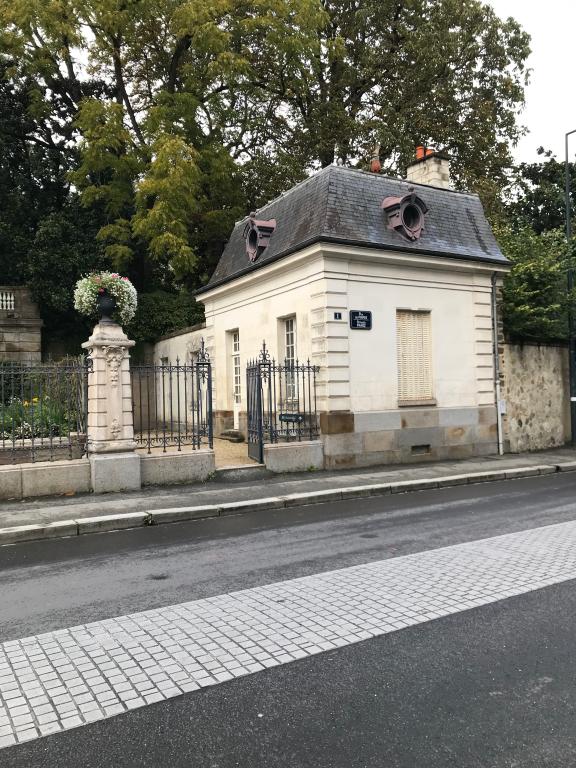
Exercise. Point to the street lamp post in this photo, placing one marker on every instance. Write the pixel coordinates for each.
(572, 340)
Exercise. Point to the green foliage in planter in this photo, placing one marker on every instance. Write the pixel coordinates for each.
(161, 312)
(38, 417)
(40, 401)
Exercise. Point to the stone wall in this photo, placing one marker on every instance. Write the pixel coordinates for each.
(20, 325)
(536, 391)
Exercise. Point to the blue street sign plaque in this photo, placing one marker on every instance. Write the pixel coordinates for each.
(360, 319)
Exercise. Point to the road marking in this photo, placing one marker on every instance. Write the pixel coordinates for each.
(63, 679)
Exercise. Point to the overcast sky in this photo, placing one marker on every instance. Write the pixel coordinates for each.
(551, 96)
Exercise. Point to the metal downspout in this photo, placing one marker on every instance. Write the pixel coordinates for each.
(496, 366)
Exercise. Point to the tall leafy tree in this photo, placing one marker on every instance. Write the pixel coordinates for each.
(172, 118)
(32, 179)
(538, 193)
(256, 83)
(535, 296)
(531, 231)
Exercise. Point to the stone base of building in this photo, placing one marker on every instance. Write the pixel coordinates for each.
(115, 472)
(408, 435)
(44, 478)
(294, 457)
(178, 468)
(103, 473)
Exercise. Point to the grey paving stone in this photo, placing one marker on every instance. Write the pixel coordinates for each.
(48, 717)
(48, 728)
(251, 630)
(22, 720)
(116, 709)
(26, 735)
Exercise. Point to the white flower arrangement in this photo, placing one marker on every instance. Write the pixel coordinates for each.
(90, 287)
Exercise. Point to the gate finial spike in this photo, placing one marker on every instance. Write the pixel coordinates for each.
(203, 356)
(264, 356)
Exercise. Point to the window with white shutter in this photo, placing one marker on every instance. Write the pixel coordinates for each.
(414, 352)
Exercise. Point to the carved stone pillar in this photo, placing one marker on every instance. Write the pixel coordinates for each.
(111, 446)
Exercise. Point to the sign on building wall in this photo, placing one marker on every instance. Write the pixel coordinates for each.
(361, 320)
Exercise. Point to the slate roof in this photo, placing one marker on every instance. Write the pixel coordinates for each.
(343, 205)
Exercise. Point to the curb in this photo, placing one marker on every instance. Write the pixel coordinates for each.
(107, 523)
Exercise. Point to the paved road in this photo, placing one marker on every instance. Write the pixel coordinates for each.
(51, 584)
(489, 687)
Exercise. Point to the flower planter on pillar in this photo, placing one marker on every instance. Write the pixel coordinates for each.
(115, 466)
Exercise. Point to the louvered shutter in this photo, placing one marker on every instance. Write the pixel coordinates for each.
(414, 351)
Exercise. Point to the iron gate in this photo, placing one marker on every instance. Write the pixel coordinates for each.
(172, 404)
(43, 410)
(281, 402)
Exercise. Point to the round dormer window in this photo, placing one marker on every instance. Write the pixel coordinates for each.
(257, 234)
(412, 217)
(406, 214)
(252, 244)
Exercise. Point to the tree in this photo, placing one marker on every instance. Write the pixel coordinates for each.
(64, 249)
(188, 111)
(535, 296)
(447, 73)
(531, 232)
(31, 180)
(538, 193)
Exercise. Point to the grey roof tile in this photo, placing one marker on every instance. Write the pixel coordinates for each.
(344, 205)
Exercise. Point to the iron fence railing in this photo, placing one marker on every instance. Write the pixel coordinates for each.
(43, 410)
(282, 404)
(172, 404)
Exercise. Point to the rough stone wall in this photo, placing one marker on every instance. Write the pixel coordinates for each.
(537, 396)
(20, 326)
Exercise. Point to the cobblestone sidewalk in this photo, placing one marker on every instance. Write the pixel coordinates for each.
(63, 679)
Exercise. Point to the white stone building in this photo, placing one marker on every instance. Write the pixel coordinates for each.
(389, 287)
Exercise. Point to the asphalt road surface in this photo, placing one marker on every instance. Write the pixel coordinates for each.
(491, 687)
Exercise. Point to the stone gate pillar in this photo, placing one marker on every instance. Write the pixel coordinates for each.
(114, 463)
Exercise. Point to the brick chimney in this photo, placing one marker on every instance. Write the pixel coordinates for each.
(430, 167)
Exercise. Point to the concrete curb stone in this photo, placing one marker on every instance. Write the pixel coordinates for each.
(316, 497)
(104, 523)
(406, 486)
(18, 533)
(364, 491)
(97, 524)
(181, 514)
(239, 507)
(569, 466)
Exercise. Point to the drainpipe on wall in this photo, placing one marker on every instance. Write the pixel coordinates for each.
(496, 366)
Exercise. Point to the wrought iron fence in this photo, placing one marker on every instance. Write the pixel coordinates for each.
(43, 410)
(172, 404)
(281, 403)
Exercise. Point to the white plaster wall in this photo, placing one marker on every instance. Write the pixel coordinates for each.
(357, 368)
(179, 347)
(450, 298)
(254, 307)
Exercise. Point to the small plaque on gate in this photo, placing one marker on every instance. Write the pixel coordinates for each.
(361, 319)
(297, 417)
